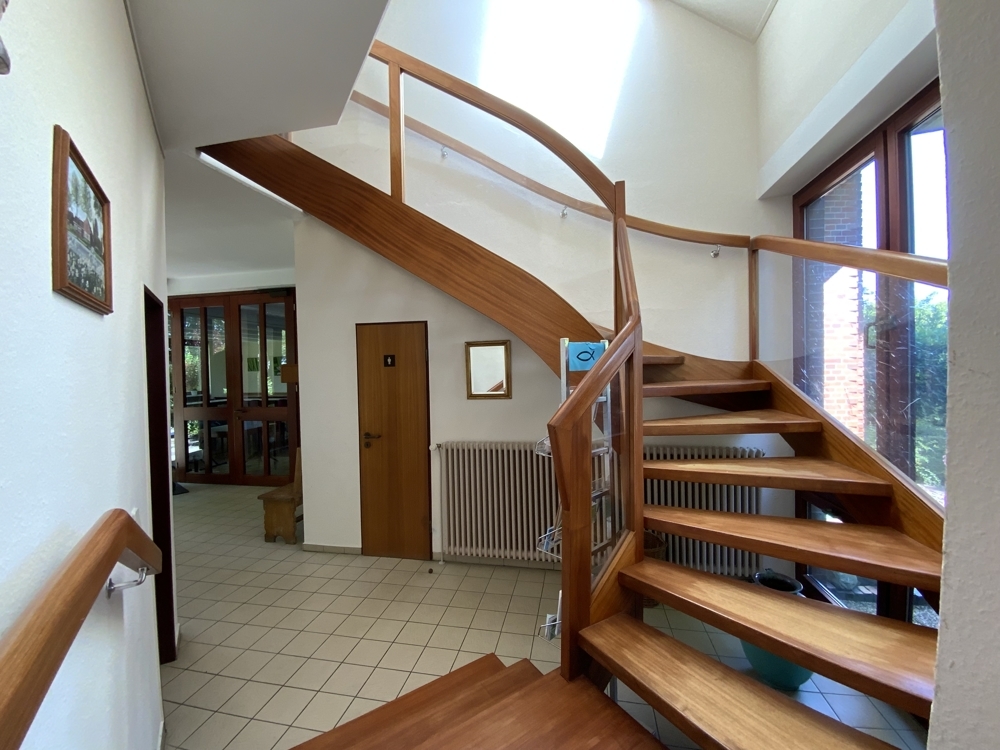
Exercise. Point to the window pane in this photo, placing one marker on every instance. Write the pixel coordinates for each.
(277, 446)
(192, 356)
(854, 592)
(219, 446)
(215, 322)
(277, 392)
(930, 386)
(195, 447)
(250, 333)
(832, 364)
(253, 447)
(928, 194)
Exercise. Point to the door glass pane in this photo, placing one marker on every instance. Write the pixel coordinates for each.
(219, 446)
(250, 347)
(277, 392)
(192, 356)
(277, 446)
(195, 447)
(253, 447)
(215, 323)
(170, 385)
(926, 173)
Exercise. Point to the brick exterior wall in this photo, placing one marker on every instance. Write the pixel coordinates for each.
(836, 217)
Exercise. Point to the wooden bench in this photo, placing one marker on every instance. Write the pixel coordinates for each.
(281, 507)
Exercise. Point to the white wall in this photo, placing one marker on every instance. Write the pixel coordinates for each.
(964, 713)
(73, 427)
(683, 138)
(340, 283)
(804, 49)
(829, 73)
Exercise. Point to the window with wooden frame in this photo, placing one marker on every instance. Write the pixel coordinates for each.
(872, 348)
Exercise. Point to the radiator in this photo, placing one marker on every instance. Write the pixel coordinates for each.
(712, 558)
(497, 499)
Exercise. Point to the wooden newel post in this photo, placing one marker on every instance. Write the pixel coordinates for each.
(396, 184)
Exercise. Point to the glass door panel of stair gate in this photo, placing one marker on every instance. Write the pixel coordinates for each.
(235, 418)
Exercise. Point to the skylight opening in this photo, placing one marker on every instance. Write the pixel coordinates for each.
(563, 61)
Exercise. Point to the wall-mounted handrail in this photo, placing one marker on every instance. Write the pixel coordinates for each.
(33, 648)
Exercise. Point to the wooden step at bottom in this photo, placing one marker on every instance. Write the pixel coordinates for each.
(714, 705)
(872, 551)
(549, 713)
(676, 388)
(888, 659)
(753, 422)
(814, 474)
(662, 359)
(414, 717)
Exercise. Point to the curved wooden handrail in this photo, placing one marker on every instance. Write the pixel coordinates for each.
(913, 268)
(573, 157)
(33, 648)
(902, 265)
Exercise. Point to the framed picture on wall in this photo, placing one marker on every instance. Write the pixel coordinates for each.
(81, 229)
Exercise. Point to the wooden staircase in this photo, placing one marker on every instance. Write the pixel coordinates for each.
(895, 536)
(484, 705)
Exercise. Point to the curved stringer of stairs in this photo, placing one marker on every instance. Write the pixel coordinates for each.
(897, 537)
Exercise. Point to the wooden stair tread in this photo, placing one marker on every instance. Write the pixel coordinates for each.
(877, 552)
(714, 705)
(662, 359)
(549, 713)
(703, 387)
(815, 474)
(888, 659)
(756, 421)
(413, 717)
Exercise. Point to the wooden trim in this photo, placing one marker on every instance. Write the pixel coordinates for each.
(440, 256)
(753, 296)
(396, 138)
(63, 150)
(688, 235)
(902, 265)
(508, 392)
(573, 157)
(33, 648)
(607, 597)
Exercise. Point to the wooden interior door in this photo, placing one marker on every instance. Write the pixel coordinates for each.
(394, 436)
(234, 419)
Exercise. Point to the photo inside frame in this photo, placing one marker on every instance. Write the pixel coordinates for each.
(84, 234)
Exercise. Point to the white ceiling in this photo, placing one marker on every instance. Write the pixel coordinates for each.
(216, 225)
(222, 70)
(745, 18)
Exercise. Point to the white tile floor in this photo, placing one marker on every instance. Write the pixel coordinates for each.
(279, 645)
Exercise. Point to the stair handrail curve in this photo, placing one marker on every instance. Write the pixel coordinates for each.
(33, 648)
(570, 431)
(558, 144)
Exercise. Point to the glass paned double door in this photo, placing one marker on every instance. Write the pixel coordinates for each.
(235, 418)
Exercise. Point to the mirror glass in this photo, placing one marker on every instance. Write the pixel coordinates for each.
(487, 369)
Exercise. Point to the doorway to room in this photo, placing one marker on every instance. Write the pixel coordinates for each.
(234, 389)
(394, 437)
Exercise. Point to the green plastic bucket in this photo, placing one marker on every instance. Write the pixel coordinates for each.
(775, 671)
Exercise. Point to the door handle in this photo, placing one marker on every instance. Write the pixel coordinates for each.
(369, 436)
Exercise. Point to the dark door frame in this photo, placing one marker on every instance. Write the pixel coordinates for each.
(159, 472)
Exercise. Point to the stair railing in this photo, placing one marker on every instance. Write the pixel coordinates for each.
(584, 599)
(33, 648)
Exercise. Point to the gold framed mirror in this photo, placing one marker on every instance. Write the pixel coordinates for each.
(487, 369)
